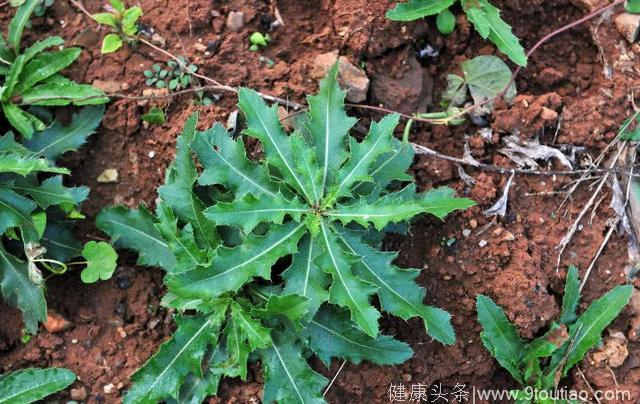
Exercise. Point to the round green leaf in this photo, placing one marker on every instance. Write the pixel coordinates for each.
(446, 22)
(111, 43)
(101, 261)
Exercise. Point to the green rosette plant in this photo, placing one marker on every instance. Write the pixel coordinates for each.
(279, 258)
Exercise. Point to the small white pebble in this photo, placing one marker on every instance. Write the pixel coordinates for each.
(109, 388)
(483, 243)
(580, 227)
(607, 272)
(74, 341)
(152, 154)
(466, 232)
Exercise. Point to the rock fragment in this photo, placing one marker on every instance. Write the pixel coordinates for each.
(350, 77)
(56, 323)
(235, 21)
(108, 176)
(629, 26)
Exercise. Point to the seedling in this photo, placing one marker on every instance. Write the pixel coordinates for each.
(155, 116)
(482, 14)
(484, 77)
(258, 40)
(31, 77)
(541, 364)
(31, 385)
(123, 21)
(320, 200)
(176, 76)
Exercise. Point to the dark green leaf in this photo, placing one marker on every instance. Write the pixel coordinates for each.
(585, 332)
(155, 116)
(233, 267)
(18, 22)
(288, 378)
(162, 375)
(499, 336)
(18, 290)
(44, 66)
(15, 211)
(347, 290)
(226, 164)
(398, 291)
(135, 230)
(486, 18)
(178, 189)
(57, 139)
(329, 126)
(31, 385)
(571, 296)
(414, 9)
(50, 191)
(305, 278)
(59, 241)
(263, 123)
(331, 336)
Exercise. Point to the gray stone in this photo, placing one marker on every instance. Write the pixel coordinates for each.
(235, 21)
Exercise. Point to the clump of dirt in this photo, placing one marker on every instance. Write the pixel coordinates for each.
(565, 98)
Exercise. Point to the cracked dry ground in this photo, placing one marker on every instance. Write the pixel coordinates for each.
(118, 324)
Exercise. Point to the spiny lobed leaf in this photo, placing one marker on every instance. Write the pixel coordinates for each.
(31, 385)
(331, 335)
(307, 204)
(483, 15)
(565, 348)
(36, 210)
(499, 336)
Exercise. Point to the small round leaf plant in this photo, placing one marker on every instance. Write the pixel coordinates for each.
(279, 258)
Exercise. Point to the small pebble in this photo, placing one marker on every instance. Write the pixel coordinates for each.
(466, 232)
(123, 282)
(235, 21)
(473, 223)
(482, 243)
(406, 377)
(79, 394)
(56, 323)
(152, 154)
(109, 388)
(108, 176)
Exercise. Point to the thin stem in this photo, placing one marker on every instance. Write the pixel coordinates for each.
(77, 263)
(46, 261)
